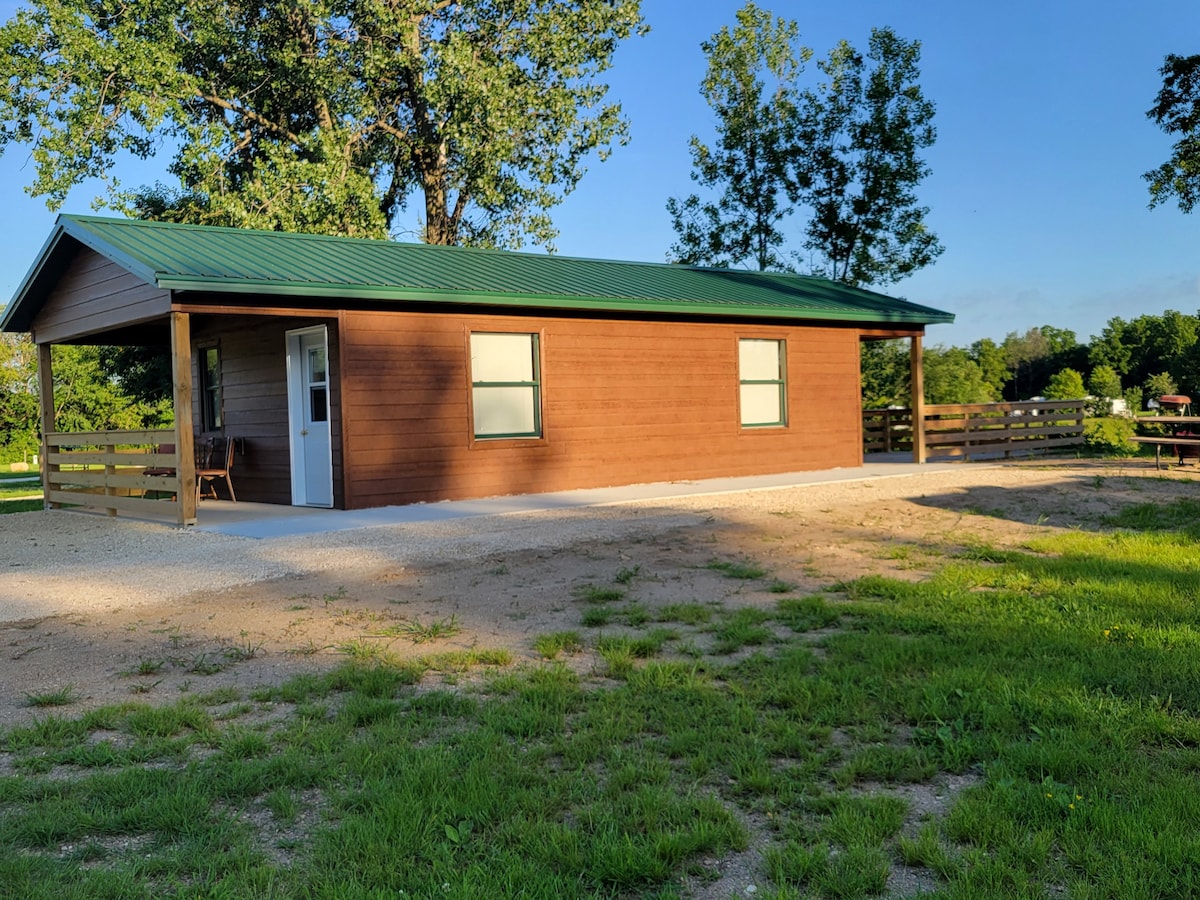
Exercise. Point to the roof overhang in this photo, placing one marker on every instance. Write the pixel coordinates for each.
(835, 303)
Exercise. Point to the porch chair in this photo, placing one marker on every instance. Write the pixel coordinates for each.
(220, 451)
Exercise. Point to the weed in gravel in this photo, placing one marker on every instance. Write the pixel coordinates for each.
(590, 593)
(146, 667)
(551, 645)
(597, 616)
(207, 664)
(63, 696)
(422, 632)
(744, 571)
(309, 648)
(241, 652)
(362, 650)
(686, 613)
(626, 575)
(635, 615)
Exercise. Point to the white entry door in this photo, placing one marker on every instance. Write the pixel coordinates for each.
(308, 417)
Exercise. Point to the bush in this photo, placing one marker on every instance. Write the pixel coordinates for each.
(1065, 385)
(1109, 436)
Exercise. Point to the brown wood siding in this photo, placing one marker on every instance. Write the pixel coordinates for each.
(254, 395)
(94, 295)
(622, 403)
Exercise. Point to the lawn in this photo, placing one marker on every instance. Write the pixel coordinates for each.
(17, 485)
(1048, 693)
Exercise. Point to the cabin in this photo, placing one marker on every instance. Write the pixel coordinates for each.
(356, 373)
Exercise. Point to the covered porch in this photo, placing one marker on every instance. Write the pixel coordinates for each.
(231, 383)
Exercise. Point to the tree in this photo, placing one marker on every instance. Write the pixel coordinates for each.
(951, 376)
(749, 164)
(315, 116)
(1160, 384)
(18, 397)
(1036, 355)
(1104, 383)
(1150, 345)
(858, 163)
(143, 373)
(993, 365)
(1066, 384)
(87, 399)
(1176, 111)
(847, 152)
(886, 374)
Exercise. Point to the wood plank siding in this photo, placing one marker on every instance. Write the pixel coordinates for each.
(95, 295)
(622, 402)
(254, 394)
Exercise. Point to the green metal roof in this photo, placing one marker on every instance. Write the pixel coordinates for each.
(271, 263)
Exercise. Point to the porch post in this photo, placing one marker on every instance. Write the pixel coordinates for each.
(46, 397)
(917, 401)
(185, 438)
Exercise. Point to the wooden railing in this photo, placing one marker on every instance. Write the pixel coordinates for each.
(107, 469)
(960, 431)
(887, 430)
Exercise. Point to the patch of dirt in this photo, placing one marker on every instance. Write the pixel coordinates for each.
(131, 623)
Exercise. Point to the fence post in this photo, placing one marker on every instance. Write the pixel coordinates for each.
(110, 469)
(918, 399)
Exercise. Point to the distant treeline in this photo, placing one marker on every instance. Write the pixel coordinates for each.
(1137, 360)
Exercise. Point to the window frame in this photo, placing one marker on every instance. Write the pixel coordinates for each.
(212, 394)
(780, 383)
(534, 386)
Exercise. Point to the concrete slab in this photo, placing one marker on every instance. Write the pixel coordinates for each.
(263, 522)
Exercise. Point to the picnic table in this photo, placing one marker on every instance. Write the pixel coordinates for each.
(1183, 437)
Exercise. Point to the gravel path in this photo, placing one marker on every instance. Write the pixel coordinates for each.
(57, 561)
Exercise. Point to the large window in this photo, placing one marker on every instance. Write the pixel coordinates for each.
(762, 370)
(505, 386)
(211, 417)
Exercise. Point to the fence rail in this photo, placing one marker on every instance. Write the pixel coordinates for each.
(108, 469)
(960, 431)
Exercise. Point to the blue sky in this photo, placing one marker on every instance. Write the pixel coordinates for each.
(1036, 187)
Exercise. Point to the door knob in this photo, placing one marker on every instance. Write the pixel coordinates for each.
(303, 432)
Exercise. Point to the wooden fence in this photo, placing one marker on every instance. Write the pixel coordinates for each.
(107, 469)
(960, 431)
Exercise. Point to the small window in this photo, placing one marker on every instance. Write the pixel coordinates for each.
(505, 386)
(211, 418)
(762, 369)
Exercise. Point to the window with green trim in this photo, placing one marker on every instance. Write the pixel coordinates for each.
(762, 370)
(506, 388)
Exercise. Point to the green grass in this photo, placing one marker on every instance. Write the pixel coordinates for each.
(17, 506)
(1057, 685)
(16, 484)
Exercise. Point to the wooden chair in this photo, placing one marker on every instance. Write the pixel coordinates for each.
(220, 451)
(161, 470)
